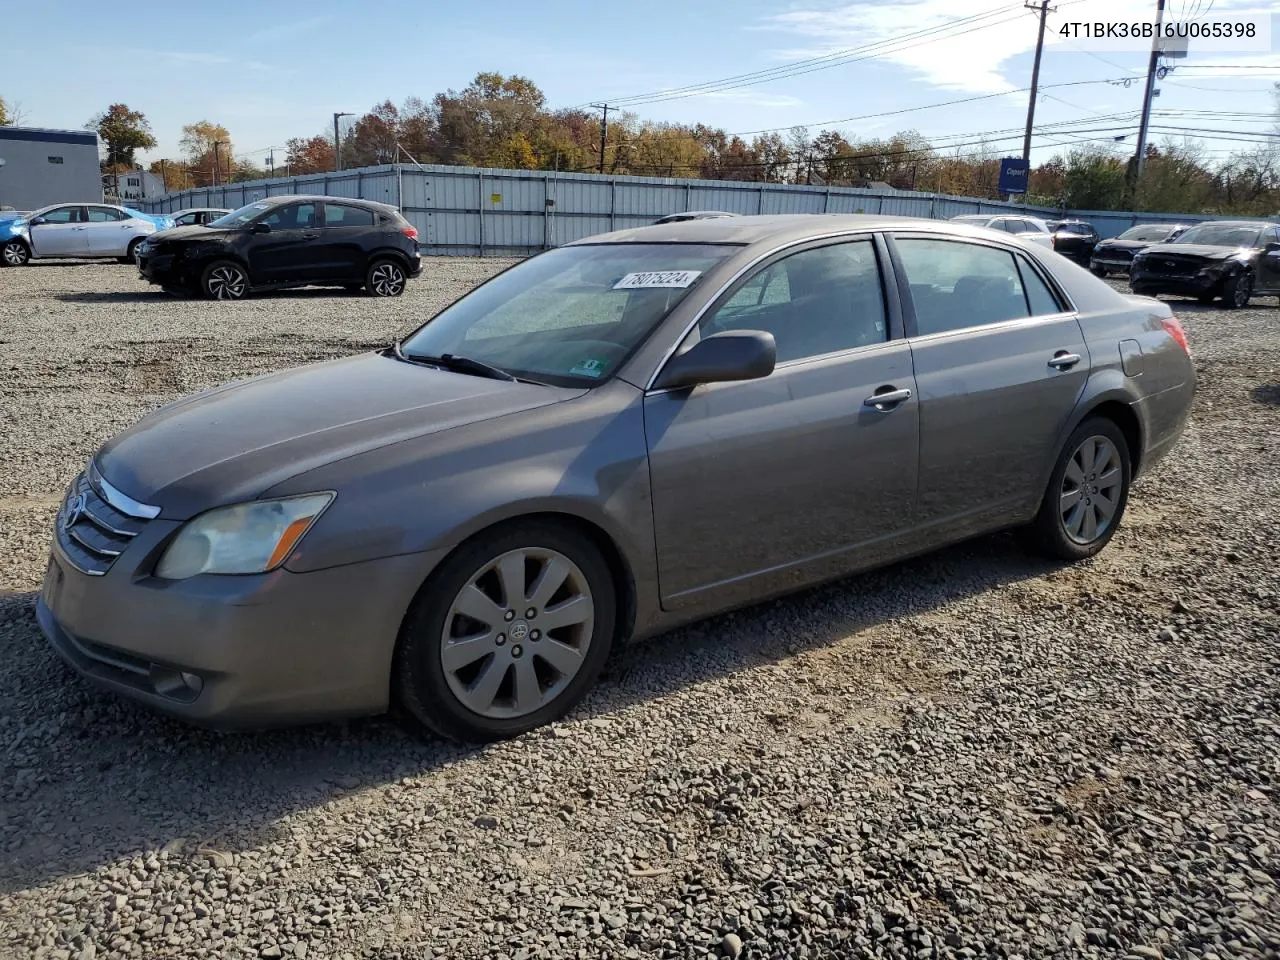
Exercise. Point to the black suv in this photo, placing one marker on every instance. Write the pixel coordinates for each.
(1229, 259)
(289, 241)
(1074, 239)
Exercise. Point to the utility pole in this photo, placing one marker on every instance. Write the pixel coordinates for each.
(1035, 83)
(163, 176)
(337, 144)
(271, 161)
(604, 129)
(216, 144)
(1152, 65)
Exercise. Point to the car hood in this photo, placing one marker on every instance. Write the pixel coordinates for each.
(1125, 244)
(1202, 250)
(197, 232)
(233, 442)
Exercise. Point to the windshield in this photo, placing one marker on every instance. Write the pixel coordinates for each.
(1148, 233)
(1080, 228)
(1222, 235)
(241, 217)
(569, 316)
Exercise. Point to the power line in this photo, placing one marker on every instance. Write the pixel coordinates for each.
(877, 116)
(801, 67)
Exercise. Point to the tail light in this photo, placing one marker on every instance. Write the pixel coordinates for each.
(410, 232)
(1174, 329)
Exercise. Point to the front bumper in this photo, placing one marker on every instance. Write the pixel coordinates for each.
(1195, 285)
(163, 269)
(1111, 263)
(233, 651)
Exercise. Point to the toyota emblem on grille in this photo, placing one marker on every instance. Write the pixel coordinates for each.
(75, 509)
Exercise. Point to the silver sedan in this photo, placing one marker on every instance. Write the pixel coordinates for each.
(611, 438)
(77, 231)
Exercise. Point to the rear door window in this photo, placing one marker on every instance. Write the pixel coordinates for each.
(955, 285)
(339, 215)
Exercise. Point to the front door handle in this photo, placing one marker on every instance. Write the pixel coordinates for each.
(310, 236)
(1064, 361)
(887, 399)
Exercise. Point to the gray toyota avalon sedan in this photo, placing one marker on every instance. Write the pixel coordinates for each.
(609, 439)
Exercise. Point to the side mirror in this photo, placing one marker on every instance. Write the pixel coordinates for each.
(721, 357)
(262, 228)
(1272, 248)
(36, 221)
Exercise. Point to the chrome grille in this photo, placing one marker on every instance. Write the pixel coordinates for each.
(1173, 265)
(95, 523)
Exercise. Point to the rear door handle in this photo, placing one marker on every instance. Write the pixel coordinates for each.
(1064, 361)
(310, 236)
(887, 399)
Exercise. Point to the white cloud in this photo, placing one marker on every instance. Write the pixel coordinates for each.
(967, 57)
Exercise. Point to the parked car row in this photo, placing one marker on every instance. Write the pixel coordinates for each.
(76, 230)
(276, 243)
(1226, 260)
(283, 242)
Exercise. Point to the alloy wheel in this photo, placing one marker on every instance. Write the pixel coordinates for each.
(517, 633)
(227, 282)
(387, 280)
(15, 254)
(1091, 489)
(1243, 290)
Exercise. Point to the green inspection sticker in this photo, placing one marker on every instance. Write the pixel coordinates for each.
(590, 367)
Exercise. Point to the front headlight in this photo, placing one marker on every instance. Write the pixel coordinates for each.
(244, 538)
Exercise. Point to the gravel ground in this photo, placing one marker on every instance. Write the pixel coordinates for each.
(973, 754)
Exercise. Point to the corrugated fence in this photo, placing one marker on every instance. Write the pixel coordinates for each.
(470, 210)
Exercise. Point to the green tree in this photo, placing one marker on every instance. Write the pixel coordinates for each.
(1095, 179)
(123, 132)
(4, 113)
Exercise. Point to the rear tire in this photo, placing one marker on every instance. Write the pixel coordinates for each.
(224, 280)
(386, 278)
(1100, 272)
(1237, 291)
(14, 253)
(131, 256)
(1087, 493)
(479, 660)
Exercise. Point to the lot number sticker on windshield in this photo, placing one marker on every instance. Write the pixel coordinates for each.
(657, 278)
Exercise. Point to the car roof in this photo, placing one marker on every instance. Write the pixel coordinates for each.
(1236, 223)
(776, 228)
(294, 197)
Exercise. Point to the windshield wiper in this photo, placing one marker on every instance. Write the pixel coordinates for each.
(451, 361)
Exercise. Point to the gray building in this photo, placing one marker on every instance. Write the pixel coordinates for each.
(39, 167)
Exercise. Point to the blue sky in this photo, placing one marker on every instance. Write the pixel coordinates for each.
(270, 71)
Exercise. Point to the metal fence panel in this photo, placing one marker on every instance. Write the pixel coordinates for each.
(469, 210)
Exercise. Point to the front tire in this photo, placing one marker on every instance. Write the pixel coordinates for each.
(224, 280)
(386, 278)
(508, 634)
(1087, 493)
(14, 253)
(1237, 291)
(1099, 272)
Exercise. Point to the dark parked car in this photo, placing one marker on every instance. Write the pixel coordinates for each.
(1074, 239)
(289, 241)
(194, 216)
(609, 439)
(1233, 260)
(694, 215)
(1116, 255)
